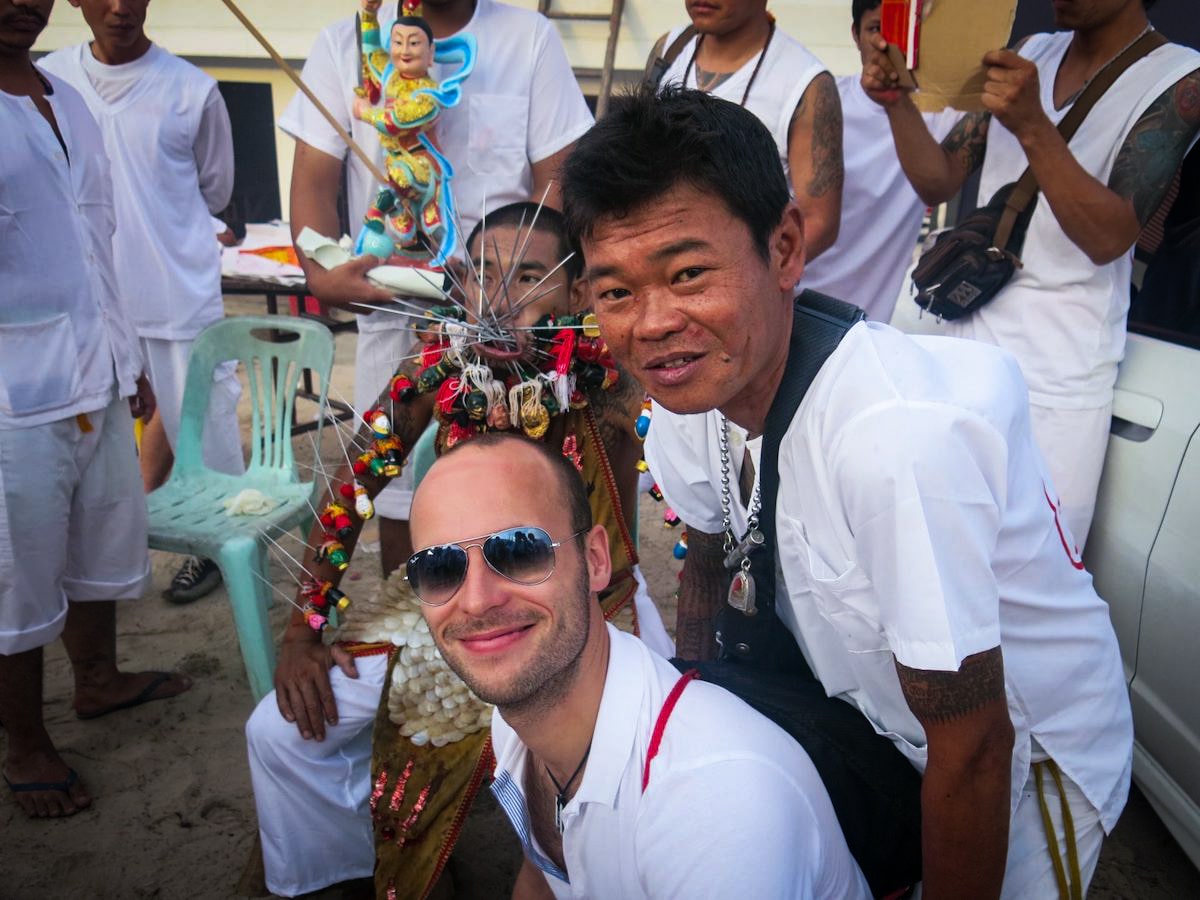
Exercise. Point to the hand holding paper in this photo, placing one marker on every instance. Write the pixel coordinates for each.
(880, 79)
(1012, 93)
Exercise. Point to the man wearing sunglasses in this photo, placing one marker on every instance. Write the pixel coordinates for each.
(310, 740)
(615, 772)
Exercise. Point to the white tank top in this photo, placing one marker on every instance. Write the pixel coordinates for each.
(786, 73)
(1062, 316)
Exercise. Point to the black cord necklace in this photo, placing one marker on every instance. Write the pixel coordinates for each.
(758, 65)
(560, 799)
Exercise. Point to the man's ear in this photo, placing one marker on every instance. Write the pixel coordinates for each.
(787, 248)
(596, 555)
(579, 297)
(76, 3)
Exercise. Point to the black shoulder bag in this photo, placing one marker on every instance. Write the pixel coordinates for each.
(968, 265)
(876, 792)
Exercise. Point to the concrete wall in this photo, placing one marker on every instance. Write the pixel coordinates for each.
(207, 33)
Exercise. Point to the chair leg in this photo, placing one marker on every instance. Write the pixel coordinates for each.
(243, 564)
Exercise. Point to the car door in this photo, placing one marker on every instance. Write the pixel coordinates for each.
(1144, 553)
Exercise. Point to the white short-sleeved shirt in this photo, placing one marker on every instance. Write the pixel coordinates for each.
(63, 335)
(734, 806)
(915, 519)
(1062, 316)
(782, 79)
(167, 134)
(520, 105)
(881, 213)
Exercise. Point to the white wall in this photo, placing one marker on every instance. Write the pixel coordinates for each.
(207, 30)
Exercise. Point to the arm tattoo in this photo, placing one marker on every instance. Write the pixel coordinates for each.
(1156, 146)
(967, 141)
(828, 170)
(939, 697)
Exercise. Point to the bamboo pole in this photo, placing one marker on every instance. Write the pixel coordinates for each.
(291, 73)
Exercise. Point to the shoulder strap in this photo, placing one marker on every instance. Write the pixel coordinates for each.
(660, 724)
(819, 323)
(657, 68)
(1027, 187)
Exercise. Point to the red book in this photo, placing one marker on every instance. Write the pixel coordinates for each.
(900, 24)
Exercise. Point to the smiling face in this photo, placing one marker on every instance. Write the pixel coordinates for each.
(688, 305)
(512, 644)
(411, 51)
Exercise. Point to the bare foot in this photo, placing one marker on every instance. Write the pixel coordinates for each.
(127, 690)
(45, 787)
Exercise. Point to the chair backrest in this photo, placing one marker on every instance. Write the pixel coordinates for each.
(273, 350)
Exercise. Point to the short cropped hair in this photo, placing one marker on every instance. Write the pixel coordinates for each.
(860, 8)
(549, 221)
(648, 143)
(571, 493)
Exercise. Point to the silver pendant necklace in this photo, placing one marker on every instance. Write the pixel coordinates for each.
(737, 552)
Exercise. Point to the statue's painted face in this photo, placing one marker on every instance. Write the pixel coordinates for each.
(411, 51)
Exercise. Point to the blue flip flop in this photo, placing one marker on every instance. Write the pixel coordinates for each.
(146, 695)
(29, 787)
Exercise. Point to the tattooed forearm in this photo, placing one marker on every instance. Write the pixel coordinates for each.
(826, 127)
(967, 141)
(701, 593)
(940, 697)
(1156, 146)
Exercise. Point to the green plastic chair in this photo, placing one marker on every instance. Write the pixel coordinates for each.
(187, 514)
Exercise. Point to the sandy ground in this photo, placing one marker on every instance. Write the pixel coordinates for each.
(173, 815)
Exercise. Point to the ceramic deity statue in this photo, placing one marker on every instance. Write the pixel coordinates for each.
(413, 213)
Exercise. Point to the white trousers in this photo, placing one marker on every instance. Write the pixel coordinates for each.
(72, 522)
(312, 795)
(1073, 443)
(378, 355)
(166, 363)
(1029, 874)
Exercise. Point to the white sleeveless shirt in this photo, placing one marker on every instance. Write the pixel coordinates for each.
(786, 73)
(1062, 316)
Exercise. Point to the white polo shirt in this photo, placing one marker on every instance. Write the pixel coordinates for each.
(881, 213)
(734, 806)
(520, 105)
(63, 336)
(915, 519)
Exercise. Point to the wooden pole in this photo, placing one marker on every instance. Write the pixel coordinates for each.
(291, 73)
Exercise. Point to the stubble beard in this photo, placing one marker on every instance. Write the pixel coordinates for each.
(552, 672)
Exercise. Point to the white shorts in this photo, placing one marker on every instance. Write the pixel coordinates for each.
(378, 355)
(1073, 443)
(166, 364)
(72, 523)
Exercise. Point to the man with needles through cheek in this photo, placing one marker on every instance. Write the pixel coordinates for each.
(312, 736)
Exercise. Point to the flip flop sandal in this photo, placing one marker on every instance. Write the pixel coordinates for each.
(146, 696)
(29, 787)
